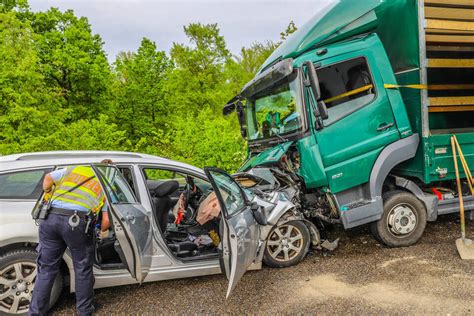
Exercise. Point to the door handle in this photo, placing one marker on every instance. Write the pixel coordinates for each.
(130, 218)
(384, 126)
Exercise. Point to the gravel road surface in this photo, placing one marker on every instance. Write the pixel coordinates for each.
(360, 277)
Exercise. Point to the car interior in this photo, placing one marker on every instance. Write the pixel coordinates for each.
(171, 193)
(176, 198)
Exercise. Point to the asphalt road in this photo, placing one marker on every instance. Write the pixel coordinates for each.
(360, 277)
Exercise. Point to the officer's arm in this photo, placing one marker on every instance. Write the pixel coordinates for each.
(105, 224)
(48, 183)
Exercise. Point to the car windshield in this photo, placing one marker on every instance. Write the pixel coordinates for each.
(277, 110)
(116, 185)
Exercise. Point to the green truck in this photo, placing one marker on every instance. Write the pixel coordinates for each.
(356, 110)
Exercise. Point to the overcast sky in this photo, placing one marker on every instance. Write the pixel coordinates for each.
(123, 23)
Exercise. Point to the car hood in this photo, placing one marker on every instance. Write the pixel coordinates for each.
(268, 157)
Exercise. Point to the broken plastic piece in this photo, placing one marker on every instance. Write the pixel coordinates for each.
(330, 245)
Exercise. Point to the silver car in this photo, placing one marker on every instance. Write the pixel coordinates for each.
(145, 243)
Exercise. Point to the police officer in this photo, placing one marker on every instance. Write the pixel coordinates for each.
(77, 199)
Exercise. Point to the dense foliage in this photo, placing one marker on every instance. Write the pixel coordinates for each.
(58, 90)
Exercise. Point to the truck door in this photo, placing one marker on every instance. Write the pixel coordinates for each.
(360, 123)
(130, 220)
(239, 232)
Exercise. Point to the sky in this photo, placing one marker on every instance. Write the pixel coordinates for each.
(123, 23)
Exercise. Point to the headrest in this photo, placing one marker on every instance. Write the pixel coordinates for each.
(153, 184)
(164, 188)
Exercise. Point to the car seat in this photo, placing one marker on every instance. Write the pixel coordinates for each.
(161, 200)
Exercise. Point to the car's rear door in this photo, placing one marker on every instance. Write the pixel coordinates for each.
(130, 220)
(240, 232)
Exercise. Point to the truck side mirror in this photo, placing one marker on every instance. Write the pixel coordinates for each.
(323, 110)
(241, 117)
(313, 80)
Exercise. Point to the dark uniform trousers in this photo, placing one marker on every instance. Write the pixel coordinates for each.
(55, 235)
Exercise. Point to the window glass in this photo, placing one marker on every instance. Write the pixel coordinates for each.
(230, 192)
(116, 185)
(22, 184)
(161, 175)
(277, 110)
(345, 87)
(128, 175)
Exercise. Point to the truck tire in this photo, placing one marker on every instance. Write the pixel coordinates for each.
(403, 220)
(287, 244)
(21, 286)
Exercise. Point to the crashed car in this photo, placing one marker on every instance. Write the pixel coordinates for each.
(252, 219)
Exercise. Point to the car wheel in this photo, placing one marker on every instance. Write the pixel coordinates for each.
(403, 220)
(286, 245)
(17, 279)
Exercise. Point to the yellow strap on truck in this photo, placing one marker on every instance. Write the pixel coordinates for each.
(349, 93)
(437, 87)
(431, 86)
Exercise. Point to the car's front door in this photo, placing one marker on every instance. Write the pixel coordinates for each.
(240, 232)
(131, 222)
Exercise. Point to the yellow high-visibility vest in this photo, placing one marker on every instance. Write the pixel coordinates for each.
(89, 195)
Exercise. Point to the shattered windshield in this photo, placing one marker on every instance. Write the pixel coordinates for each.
(275, 111)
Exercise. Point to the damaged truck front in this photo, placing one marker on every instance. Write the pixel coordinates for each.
(344, 118)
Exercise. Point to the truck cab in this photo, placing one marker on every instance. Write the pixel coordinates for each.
(343, 106)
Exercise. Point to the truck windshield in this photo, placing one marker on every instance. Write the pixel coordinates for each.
(277, 110)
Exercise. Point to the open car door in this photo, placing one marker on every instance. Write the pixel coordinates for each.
(130, 220)
(240, 231)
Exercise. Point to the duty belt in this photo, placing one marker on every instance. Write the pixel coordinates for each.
(67, 212)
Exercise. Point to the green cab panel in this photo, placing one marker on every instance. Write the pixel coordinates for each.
(351, 173)
(353, 136)
(266, 157)
(311, 165)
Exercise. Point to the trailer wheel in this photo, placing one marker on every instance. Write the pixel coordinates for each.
(403, 220)
(287, 244)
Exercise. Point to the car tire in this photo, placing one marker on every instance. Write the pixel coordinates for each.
(403, 220)
(24, 259)
(287, 244)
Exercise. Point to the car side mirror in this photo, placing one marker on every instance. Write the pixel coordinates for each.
(259, 214)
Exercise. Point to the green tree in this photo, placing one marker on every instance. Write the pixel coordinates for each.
(25, 101)
(290, 29)
(73, 61)
(198, 75)
(138, 104)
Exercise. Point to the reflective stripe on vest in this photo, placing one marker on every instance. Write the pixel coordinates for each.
(89, 195)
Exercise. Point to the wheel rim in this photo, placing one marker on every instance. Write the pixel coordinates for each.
(16, 287)
(285, 243)
(402, 219)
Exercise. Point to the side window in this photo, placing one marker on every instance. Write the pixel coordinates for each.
(22, 184)
(160, 175)
(345, 87)
(229, 191)
(127, 173)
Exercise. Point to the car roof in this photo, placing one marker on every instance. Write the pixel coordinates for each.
(71, 157)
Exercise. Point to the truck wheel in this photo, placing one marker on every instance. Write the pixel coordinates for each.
(403, 220)
(286, 245)
(17, 279)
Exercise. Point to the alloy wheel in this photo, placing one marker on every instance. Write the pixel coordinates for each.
(285, 243)
(16, 287)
